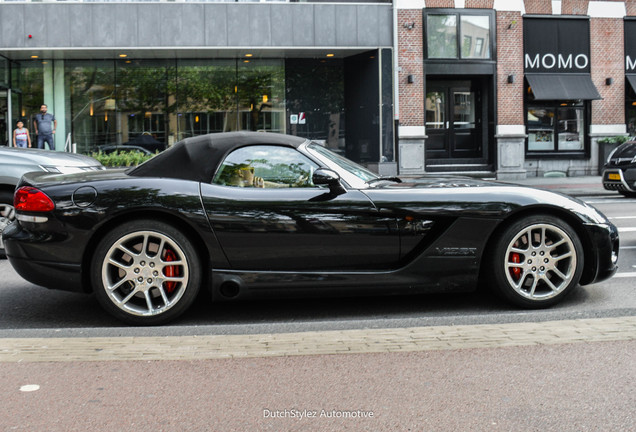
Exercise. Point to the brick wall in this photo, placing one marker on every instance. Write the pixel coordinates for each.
(607, 61)
(480, 4)
(411, 55)
(538, 6)
(574, 7)
(440, 3)
(509, 61)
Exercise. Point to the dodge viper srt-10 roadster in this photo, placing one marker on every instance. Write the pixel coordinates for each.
(248, 214)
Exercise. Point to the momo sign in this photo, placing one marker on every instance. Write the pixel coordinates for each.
(630, 47)
(553, 45)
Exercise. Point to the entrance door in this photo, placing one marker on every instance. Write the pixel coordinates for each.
(453, 124)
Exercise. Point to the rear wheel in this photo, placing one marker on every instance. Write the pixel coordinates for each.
(7, 215)
(145, 272)
(537, 261)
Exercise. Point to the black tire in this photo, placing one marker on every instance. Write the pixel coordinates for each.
(540, 272)
(138, 284)
(7, 215)
(628, 194)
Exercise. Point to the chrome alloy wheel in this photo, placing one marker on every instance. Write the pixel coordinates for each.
(145, 273)
(541, 261)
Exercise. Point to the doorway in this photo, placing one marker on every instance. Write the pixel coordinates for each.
(455, 121)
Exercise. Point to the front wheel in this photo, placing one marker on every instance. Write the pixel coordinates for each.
(145, 272)
(7, 215)
(537, 261)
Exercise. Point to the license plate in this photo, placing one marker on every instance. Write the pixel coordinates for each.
(613, 176)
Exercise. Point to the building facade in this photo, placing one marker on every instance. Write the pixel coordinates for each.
(505, 88)
(512, 87)
(114, 71)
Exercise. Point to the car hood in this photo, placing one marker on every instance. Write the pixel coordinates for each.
(448, 195)
(45, 157)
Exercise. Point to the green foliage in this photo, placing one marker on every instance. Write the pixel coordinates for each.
(121, 158)
(614, 140)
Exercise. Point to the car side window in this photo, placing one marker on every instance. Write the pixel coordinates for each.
(266, 166)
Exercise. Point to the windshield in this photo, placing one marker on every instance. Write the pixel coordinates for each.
(350, 167)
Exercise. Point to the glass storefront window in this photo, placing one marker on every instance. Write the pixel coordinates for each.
(441, 40)
(4, 72)
(206, 97)
(316, 88)
(631, 119)
(464, 110)
(261, 95)
(32, 85)
(91, 86)
(557, 127)
(142, 100)
(435, 110)
(110, 102)
(475, 31)
(540, 129)
(631, 111)
(570, 128)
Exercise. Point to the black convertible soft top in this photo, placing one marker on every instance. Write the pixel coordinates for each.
(197, 158)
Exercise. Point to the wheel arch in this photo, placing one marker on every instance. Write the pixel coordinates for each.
(7, 188)
(590, 261)
(157, 215)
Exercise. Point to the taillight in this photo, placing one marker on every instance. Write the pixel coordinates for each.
(28, 198)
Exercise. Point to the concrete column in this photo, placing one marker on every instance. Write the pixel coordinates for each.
(411, 150)
(511, 143)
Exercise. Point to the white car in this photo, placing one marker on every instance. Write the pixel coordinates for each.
(16, 161)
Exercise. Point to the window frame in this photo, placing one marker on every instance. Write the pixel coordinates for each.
(558, 152)
(219, 170)
(491, 47)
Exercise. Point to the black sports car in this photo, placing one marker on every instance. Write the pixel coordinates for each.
(619, 173)
(253, 214)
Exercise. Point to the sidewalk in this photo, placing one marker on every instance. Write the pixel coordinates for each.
(574, 186)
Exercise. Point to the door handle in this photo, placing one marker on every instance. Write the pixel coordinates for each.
(447, 124)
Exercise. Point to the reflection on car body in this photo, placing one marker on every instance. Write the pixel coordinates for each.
(156, 234)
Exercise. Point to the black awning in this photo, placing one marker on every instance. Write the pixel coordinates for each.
(632, 81)
(562, 87)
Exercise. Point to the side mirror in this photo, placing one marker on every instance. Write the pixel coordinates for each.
(324, 176)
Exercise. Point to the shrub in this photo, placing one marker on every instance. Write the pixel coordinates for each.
(619, 139)
(121, 158)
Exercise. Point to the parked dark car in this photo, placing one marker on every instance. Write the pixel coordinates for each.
(14, 162)
(619, 173)
(108, 149)
(245, 215)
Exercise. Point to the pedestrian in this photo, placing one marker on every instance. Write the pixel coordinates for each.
(21, 137)
(45, 125)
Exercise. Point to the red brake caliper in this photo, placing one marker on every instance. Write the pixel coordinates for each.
(516, 271)
(170, 271)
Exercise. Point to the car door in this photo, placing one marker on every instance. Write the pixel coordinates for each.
(268, 216)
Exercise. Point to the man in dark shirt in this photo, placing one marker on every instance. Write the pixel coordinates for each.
(45, 125)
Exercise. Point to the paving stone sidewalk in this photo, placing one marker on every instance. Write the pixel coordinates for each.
(314, 343)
